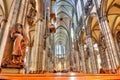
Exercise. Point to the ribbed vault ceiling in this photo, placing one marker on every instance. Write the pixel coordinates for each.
(63, 10)
(112, 8)
(65, 6)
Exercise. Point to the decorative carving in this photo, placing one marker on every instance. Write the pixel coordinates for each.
(20, 39)
(103, 43)
(53, 17)
(52, 28)
(31, 12)
(102, 71)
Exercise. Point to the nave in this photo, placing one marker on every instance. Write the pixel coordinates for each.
(58, 38)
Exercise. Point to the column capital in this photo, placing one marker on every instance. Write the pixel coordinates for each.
(103, 18)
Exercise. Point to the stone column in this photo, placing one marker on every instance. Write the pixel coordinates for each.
(90, 50)
(88, 39)
(104, 59)
(108, 64)
(43, 60)
(28, 58)
(3, 23)
(25, 12)
(41, 47)
(21, 10)
(108, 40)
(15, 13)
(72, 62)
(70, 47)
(36, 59)
(48, 59)
(104, 27)
(77, 58)
(82, 56)
(101, 56)
(38, 40)
(88, 65)
(11, 21)
(110, 44)
(117, 46)
(46, 55)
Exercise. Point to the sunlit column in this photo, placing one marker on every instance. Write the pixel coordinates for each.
(36, 42)
(38, 39)
(117, 47)
(41, 48)
(43, 61)
(21, 10)
(104, 27)
(77, 60)
(109, 50)
(2, 29)
(97, 59)
(72, 60)
(88, 65)
(106, 60)
(82, 57)
(28, 58)
(46, 54)
(90, 50)
(111, 45)
(90, 46)
(102, 56)
(25, 12)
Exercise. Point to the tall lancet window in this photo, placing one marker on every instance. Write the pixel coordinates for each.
(59, 50)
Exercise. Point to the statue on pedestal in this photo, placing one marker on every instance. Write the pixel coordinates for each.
(20, 41)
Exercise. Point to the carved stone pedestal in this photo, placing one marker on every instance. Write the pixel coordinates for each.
(9, 64)
(12, 71)
(11, 68)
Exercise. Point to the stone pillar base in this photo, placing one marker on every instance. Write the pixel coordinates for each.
(37, 72)
(12, 71)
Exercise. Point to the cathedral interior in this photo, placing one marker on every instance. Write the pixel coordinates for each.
(60, 36)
